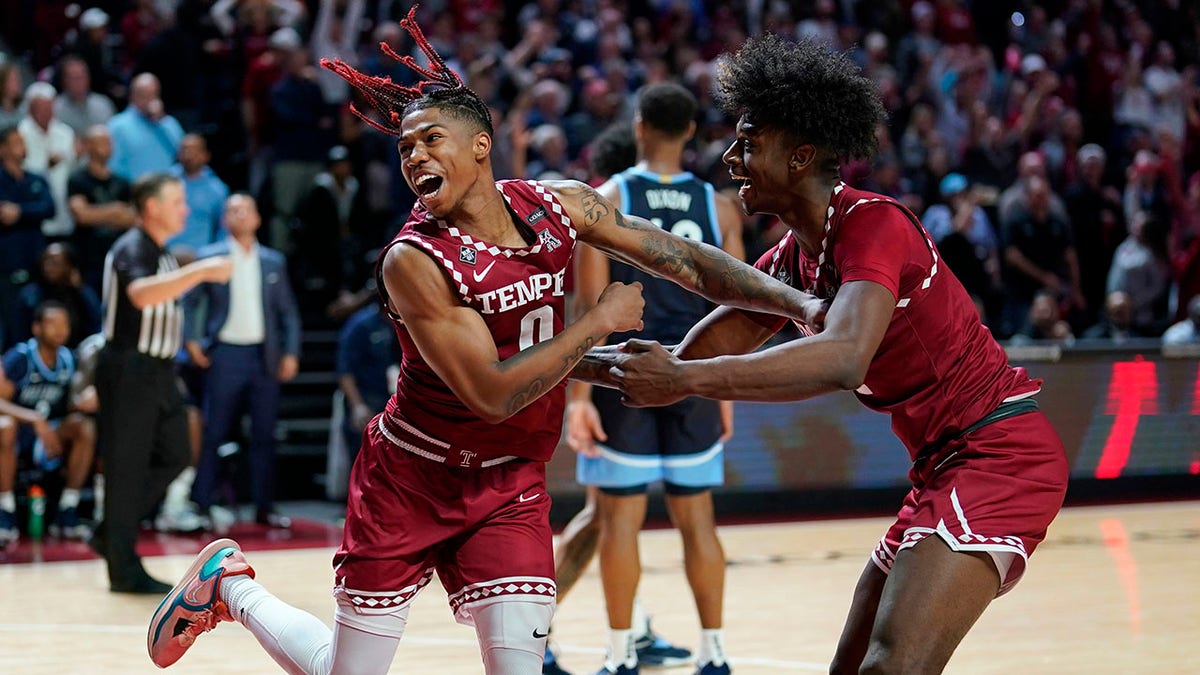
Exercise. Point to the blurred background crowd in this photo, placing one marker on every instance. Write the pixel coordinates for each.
(1051, 148)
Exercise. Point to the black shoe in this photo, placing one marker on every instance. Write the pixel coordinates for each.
(655, 652)
(272, 519)
(147, 586)
(97, 542)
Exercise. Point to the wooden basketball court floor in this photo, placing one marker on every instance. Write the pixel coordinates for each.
(1114, 589)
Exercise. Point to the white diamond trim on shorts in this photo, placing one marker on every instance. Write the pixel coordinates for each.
(420, 452)
(502, 587)
(384, 602)
(417, 432)
(433, 250)
(883, 557)
(406, 446)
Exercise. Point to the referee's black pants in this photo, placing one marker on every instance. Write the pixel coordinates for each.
(143, 435)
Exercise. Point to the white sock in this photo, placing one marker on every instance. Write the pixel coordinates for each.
(297, 640)
(8, 502)
(69, 499)
(641, 620)
(620, 648)
(712, 646)
(179, 491)
(98, 497)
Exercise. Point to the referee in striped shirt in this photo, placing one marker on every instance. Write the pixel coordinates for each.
(142, 423)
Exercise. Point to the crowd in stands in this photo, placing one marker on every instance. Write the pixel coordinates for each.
(1052, 148)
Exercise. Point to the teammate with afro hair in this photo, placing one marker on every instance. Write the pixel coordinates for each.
(988, 470)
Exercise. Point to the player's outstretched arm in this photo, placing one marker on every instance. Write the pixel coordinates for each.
(705, 269)
(454, 340)
(833, 360)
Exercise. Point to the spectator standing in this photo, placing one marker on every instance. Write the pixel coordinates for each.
(335, 231)
(11, 91)
(303, 125)
(145, 138)
(365, 353)
(1039, 254)
(143, 427)
(335, 35)
(1185, 246)
(1097, 222)
(50, 152)
(101, 203)
(1145, 190)
(205, 192)
(77, 105)
(35, 390)
(25, 201)
(963, 221)
(140, 24)
(263, 74)
(1139, 268)
(246, 335)
(92, 44)
(1013, 202)
(59, 281)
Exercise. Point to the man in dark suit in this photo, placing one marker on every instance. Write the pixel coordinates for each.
(246, 335)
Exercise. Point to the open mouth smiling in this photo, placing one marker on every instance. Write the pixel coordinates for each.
(428, 185)
(744, 180)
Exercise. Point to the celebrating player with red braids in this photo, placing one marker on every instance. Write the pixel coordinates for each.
(451, 477)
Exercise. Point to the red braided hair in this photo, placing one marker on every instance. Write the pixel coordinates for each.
(389, 100)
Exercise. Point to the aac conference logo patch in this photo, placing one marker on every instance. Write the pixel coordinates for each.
(549, 240)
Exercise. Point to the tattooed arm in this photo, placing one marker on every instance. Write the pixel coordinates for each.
(699, 267)
(456, 343)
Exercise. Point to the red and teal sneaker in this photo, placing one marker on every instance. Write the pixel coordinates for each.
(194, 606)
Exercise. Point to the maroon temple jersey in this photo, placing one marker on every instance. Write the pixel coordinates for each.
(519, 293)
(938, 370)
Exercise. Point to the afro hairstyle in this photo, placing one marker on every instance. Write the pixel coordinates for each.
(815, 95)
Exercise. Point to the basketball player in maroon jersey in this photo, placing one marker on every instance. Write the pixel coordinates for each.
(451, 477)
(989, 472)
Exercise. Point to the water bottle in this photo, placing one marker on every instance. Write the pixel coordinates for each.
(37, 512)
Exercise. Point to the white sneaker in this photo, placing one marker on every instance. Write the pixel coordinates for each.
(221, 518)
(181, 520)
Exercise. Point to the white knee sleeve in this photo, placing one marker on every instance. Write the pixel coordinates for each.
(378, 620)
(513, 625)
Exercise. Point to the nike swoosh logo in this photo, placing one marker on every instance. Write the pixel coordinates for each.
(524, 499)
(480, 275)
(538, 635)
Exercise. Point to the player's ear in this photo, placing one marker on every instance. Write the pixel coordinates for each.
(803, 156)
(483, 145)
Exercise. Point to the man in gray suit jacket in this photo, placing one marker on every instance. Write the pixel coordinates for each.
(246, 335)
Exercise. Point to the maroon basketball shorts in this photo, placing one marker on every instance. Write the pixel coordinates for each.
(484, 531)
(995, 491)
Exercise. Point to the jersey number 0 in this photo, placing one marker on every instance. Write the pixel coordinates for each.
(536, 326)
